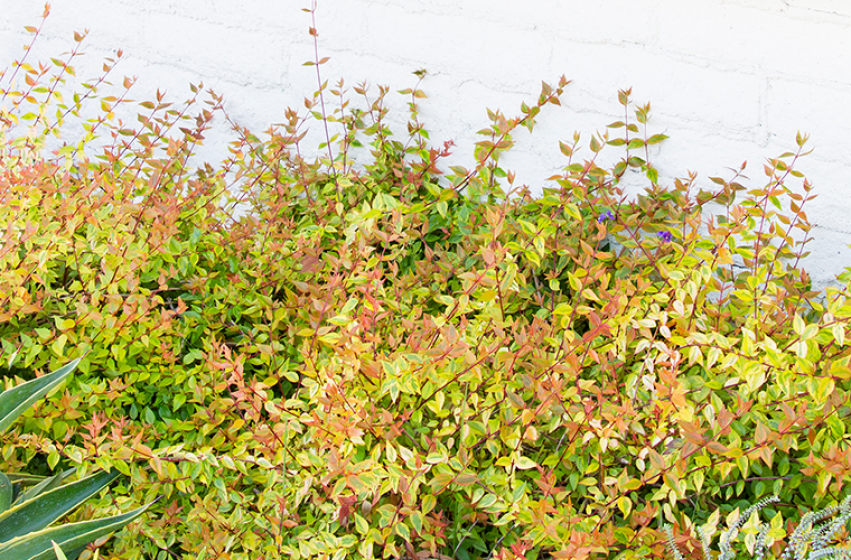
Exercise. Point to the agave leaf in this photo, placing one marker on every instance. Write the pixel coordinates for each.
(58, 551)
(39, 546)
(39, 512)
(73, 554)
(20, 481)
(5, 492)
(48, 483)
(14, 401)
(25, 479)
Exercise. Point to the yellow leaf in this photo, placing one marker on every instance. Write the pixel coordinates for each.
(525, 463)
(625, 505)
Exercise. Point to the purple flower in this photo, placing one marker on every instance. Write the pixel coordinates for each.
(665, 236)
(607, 215)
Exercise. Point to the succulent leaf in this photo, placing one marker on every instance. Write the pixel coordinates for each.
(14, 401)
(71, 536)
(37, 513)
(46, 484)
(6, 492)
(58, 551)
(25, 479)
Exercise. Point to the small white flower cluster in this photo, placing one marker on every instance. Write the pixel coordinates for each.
(807, 536)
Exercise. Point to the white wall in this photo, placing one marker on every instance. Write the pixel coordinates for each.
(729, 80)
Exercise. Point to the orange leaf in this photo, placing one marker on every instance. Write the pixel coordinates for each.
(716, 447)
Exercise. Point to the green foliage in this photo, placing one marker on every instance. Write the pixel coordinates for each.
(25, 515)
(361, 356)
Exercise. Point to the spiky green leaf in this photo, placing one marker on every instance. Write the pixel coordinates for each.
(39, 546)
(58, 551)
(37, 513)
(44, 485)
(5, 493)
(14, 401)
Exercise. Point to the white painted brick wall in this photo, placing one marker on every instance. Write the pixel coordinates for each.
(729, 80)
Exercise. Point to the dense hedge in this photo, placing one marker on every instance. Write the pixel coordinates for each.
(368, 358)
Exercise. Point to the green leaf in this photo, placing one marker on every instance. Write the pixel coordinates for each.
(361, 525)
(402, 530)
(37, 513)
(442, 207)
(429, 502)
(5, 493)
(16, 400)
(487, 501)
(595, 145)
(417, 521)
(58, 551)
(25, 479)
(350, 305)
(653, 175)
(838, 331)
(12, 358)
(809, 332)
(44, 485)
(39, 546)
(798, 324)
(572, 211)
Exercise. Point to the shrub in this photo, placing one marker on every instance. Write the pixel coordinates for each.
(374, 358)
